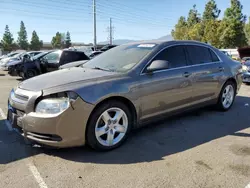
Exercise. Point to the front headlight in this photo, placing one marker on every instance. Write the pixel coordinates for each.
(52, 105)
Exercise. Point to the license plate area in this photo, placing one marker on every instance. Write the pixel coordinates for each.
(12, 118)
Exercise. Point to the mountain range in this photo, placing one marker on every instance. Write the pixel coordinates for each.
(123, 41)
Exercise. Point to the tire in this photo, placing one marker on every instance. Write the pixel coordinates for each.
(30, 74)
(98, 142)
(220, 105)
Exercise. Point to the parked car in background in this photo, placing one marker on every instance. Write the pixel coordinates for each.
(5, 61)
(95, 53)
(8, 55)
(73, 64)
(100, 102)
(246, 72)
(107, 47)
(15, 67)
(245, 59)
(51, 62)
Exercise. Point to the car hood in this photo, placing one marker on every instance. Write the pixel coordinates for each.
(64, 77)
(73, 64)
(14, 62)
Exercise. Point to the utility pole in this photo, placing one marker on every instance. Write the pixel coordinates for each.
(94, 22)
(110, 30)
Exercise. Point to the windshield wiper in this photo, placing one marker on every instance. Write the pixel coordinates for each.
(99, 68)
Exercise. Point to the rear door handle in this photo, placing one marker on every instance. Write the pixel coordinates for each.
(186, 74)
(221, 69)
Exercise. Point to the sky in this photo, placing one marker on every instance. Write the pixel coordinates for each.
(132, 19)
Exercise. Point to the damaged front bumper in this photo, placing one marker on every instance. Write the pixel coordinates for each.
(66, 129)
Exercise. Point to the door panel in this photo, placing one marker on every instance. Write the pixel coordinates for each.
(206, 81)
(207, 72)
(169, 89)
(164, 92)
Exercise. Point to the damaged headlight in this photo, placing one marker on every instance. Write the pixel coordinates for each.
(52, 106)
(55, 105)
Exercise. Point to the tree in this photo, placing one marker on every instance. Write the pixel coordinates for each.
(247, 31)
(193, 17)
(211, 11)
(22, 40)
(195, 32)
(181, 29)
(67, 40)
(233, 26)
(35, 43)
(8, 40)
(41, 43)
(212, 33)
(56, 41)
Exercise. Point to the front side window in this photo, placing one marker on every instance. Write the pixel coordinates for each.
(53, 56)
(199, 54)
(122, 58)
(174, 55)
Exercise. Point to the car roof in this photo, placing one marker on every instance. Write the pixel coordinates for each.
(68, 50)
(166, 42)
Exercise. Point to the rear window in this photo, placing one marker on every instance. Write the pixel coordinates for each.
(200, 55)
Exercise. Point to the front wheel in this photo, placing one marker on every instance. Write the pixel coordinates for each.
(227, 96)
(109, 126)
(30, 74)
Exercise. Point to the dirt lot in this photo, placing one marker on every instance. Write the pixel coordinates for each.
(202, 149)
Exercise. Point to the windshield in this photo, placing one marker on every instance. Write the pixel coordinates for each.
(11, 55)
(121, 58)
(39, 55)
(19, 55)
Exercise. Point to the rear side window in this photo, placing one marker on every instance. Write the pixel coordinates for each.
(214, 56)
(67, 57)
(80, 56)
(71, 56)
(174, 55)
(199, 54)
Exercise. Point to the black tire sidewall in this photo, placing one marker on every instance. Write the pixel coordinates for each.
(220, 102)
(90, 131)
(29, 71)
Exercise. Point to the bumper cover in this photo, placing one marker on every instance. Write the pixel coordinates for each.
(64, 130)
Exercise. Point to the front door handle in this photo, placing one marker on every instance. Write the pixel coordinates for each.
(186, 74)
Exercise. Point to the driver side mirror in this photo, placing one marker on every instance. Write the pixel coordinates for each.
(157, 65)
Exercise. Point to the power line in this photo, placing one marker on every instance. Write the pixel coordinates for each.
(47, 6)
(47, 15)
(121, 12)
(123, 7)
(133, 23)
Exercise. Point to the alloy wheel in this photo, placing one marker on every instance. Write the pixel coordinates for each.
(111, 126)
(228, 96)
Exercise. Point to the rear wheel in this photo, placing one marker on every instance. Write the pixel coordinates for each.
(227, 96)
(109, 126)
(30, 74)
